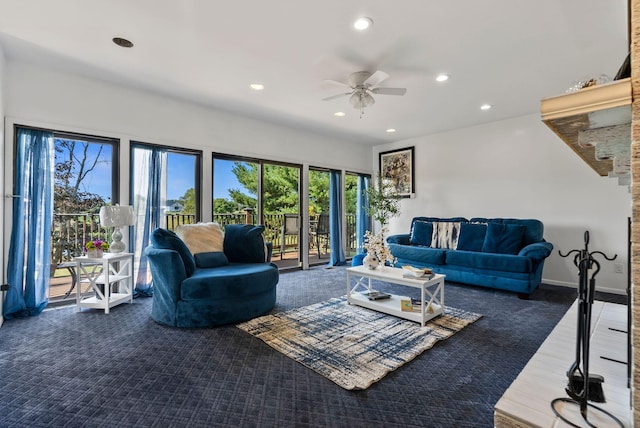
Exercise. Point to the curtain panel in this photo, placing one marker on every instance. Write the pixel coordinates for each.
(363, 221)
(335, 219)
(149, 198)
(29, 258)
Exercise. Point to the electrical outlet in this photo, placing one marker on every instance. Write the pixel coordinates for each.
(618, 268)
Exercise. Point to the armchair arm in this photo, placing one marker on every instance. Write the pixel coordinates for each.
(402, 239)
(537, 250)
(269, 250)
(167, 271)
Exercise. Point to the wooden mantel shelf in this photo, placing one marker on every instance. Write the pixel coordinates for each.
(595, 107)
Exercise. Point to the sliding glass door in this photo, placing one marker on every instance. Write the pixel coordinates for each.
(255, 191)
(319, 248)
(165, 192)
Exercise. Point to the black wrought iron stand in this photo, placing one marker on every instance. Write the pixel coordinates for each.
(582, 386)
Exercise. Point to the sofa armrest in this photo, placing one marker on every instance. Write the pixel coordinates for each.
(537, 250)
(402, 239)
(167, 271)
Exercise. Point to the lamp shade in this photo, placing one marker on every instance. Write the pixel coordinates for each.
(116, 216)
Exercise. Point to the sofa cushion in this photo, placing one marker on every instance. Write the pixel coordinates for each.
(244, 243)
(168, 240)
(201, 237)
(211, 259)
(421, 255)
(421, 232)
(533, 229)
(445, 234)
(498, 262)
(236, 280)
(503, 238)
(471, 236)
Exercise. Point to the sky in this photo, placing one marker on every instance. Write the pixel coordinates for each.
(180, 174)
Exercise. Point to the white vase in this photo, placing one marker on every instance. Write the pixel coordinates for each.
(371, 261)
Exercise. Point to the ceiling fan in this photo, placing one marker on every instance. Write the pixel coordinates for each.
(362, 84)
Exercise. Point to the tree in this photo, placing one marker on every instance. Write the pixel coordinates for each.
(279, 187)
(188, 201)
(222, 206)
(72, 165)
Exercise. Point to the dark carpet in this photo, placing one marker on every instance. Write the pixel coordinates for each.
(64, 368)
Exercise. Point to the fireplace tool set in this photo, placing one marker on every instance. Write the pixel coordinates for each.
(583, 386)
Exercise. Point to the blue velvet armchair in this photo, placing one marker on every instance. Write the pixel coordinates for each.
(213, 288)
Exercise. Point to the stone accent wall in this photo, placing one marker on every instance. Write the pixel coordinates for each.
(635, 201)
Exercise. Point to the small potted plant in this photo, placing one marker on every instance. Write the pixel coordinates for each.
(95, 248)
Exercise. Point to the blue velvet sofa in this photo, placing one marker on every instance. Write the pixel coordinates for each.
(501, 253)
(213, 288)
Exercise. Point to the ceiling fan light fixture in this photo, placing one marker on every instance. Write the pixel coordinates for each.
(361, 99)
(362, 23)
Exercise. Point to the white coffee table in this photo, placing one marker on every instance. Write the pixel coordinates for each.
(431, 292)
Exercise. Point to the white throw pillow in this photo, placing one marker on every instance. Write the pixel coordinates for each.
(202, 237)
(445, 234)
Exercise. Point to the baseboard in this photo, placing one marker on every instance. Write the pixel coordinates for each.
(575, 286)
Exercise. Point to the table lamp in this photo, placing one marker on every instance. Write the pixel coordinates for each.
(117, 216)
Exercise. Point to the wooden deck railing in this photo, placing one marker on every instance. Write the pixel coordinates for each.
(70, 231)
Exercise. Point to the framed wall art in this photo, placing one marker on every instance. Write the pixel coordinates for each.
(398, 167)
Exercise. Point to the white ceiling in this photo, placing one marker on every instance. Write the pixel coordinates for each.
(508, 53)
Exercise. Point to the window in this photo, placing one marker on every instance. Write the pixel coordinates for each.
(85, 179)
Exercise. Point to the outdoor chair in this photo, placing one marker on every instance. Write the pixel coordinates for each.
(290, 227)
(322, 229)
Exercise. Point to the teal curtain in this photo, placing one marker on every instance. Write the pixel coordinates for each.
(29, 258)
(363, 221)
(335, 219)
(148, 191)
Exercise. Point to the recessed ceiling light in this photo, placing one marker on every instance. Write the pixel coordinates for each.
(124, 43)
(339, 114)
(256, 86)
(442, 77)
(485, 106)
(391, 130)
(362, 23)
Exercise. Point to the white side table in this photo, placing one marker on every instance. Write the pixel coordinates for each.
(101, 274)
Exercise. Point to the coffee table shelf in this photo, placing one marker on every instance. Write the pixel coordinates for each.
(432, 292)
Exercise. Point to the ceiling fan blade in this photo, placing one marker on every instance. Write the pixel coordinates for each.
(389, 91)
(336, 83)
(333, 97)
(376, 78)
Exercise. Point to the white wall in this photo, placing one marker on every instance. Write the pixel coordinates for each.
(74, 101)
(2, 102)
(519, 168)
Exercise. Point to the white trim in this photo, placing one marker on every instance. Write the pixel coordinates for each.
(575, 285)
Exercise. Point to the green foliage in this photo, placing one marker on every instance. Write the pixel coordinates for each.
(280, 189)
(318, 192)
(224, 206)
(188, 201)
(384, 202)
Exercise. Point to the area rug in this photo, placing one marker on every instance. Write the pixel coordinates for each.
(350, 345)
